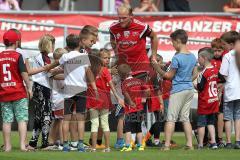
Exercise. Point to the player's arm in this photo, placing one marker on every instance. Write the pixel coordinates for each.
(120, 101)
(32, 71)
(58, 77)
(24, 74)
(201, 83)
(114, 46)
(166, 75)
(128, 99)
(91, 80)
(195, 73)
(154, 44)
(227, 8)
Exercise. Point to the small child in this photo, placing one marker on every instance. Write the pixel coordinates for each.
(218, 48)
(57, 103)
(208, 102)
(134, 91)
(13, 95)
(155, 105)
(99, 108)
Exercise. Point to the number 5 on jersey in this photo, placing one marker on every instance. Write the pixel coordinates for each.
(6, 72)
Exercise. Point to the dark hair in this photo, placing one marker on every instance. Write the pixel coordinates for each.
(72, 41)
(181, 35)
(96, 62)
(229, 37)
(48, 1)
(217, 43)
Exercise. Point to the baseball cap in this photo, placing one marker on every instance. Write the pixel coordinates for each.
(11, 36)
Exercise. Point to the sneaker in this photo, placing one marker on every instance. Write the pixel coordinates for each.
(92, 150)
(189, 148)
(126, 149)
(237, 145)
(149, 143)
(118, 145)
(140, 148)
(81, 147)
(66, 149)
(200, 147)
(228, 146)
(106, 150)
(165, 148)
(221, 144)
(102, 146)
(213, 146)
(73, 148)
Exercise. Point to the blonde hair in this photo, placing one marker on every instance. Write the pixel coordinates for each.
(59, 52)
(46, 43)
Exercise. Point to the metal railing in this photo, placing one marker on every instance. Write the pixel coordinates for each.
(100, 13)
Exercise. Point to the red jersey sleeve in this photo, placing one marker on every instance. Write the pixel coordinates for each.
(107, 74)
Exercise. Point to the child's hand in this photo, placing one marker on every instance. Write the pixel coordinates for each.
(30, 94)
(114, 70)
(132, 104)
(96, 94)
(121, 102)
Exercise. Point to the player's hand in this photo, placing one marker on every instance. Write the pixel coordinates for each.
(114, 70)
(132, 104)
(96, 94)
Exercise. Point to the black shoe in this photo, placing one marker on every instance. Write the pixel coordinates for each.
(237, 145)
(228, 146)
(149, 143)
(33, 144)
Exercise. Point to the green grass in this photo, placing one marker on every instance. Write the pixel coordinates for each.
(149, 154)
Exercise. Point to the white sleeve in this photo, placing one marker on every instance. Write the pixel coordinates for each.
(224, 70)
(63, 59)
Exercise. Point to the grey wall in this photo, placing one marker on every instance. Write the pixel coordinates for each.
(93, 5)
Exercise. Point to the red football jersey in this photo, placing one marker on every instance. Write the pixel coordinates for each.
(102, 83)
(216, 63)
(166, 86)
(153, 101)
(131, 44)
(208, 102)
(135, 88)
(12, 87)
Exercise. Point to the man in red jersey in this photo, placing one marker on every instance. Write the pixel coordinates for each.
(13, 96)
(128, 39)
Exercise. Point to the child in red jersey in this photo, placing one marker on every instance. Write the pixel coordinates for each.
(99, 108)
(208, 102)
(13, 96)
(156, 106)
(218, 48)
(134, 91)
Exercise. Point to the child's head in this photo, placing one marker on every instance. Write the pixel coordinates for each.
(87, 37)
(205, 55)
(179, 38)
(218, 47)
(72, 41)
(96, 61)
(105, 56)
(57, 54)
(124, 71)
(12, 38)
(46, 44)
(229, 39)
(93, 30)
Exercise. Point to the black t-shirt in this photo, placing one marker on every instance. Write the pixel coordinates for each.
(176, 5)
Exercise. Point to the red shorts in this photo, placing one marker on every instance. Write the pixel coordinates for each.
(58, 114)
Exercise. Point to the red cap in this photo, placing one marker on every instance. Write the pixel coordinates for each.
(11, 37)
